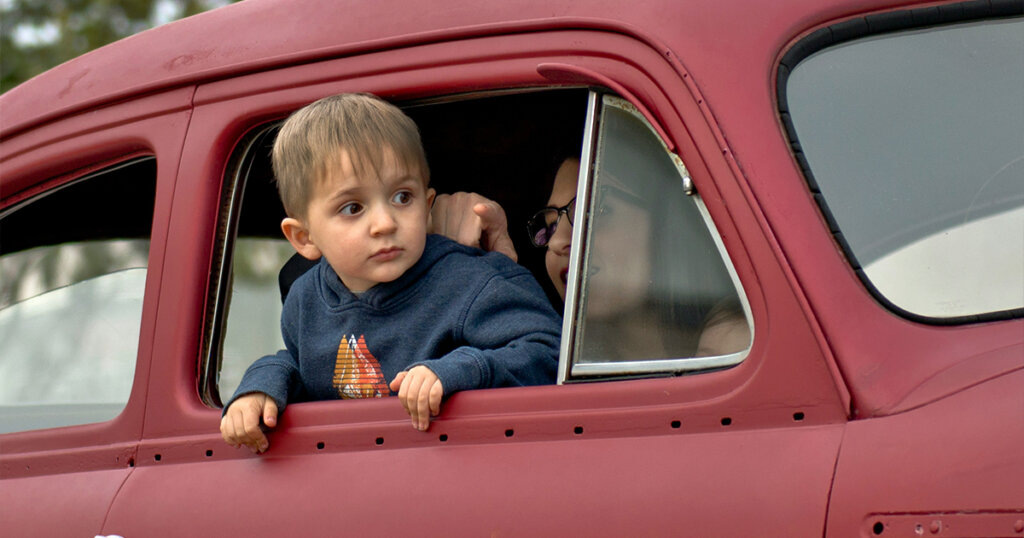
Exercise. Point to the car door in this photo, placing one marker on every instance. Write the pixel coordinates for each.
(738, 446)
(83, 216)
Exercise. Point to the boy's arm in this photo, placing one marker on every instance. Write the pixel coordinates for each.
(420, 392)
(276, 376)
(263, 392)
(241, 423)
(512, 337)
(267, 385)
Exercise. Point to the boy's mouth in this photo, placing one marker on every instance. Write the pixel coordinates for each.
(386, 254)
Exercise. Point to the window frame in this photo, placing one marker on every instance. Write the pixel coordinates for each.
(239, 166)
(212, 352)
(97, 413)
(569, 370)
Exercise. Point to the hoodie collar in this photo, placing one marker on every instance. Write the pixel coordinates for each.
(336, 294)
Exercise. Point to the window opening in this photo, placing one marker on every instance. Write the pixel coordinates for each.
(73, 263)
(503, 145)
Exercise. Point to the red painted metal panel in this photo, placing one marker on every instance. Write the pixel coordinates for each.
(62, 480)
(994, 524)
(45, 157)
(64, 504)
(578, 486)
(960, 456)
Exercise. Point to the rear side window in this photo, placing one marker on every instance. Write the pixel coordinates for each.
(914, 142)
(73, 265)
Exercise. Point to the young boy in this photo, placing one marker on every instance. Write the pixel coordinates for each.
(388, 307)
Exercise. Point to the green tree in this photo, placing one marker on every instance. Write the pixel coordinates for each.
(36, 35)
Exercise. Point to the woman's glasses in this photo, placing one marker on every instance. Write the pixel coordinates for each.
(542, 225)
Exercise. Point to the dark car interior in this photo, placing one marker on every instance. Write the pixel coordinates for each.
(506, 147)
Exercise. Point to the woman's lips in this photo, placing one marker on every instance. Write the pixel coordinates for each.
(564, 275)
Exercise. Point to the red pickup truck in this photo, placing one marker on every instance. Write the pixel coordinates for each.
(843, 180)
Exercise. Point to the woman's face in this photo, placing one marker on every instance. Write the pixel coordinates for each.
(557, 258)
(619, 260)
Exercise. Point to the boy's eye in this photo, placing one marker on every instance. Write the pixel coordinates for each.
(402, 198)
(351, 208)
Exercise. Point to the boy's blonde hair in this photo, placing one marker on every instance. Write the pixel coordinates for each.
(309, 143)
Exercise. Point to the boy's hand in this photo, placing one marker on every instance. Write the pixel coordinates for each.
(241, 424)
(474, 221)
(420, 392)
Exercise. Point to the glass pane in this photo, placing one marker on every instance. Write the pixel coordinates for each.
(916, 140)
(74, 344)
(71, 300)
(654, 277)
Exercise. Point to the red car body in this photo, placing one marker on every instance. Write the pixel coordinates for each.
(844, 419)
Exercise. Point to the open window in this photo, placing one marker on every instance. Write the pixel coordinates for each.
(73, 264)
(505, 146)
(651, 291)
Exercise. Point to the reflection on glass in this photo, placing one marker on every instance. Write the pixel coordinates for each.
(69, 332)
(655, 285)
(916, 141)
(911, 275)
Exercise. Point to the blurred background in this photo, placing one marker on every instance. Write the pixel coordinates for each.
(36, 35)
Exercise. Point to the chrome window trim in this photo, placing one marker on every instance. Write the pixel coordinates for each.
(573, 284)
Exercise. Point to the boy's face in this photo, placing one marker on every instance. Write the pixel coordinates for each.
(370, 229)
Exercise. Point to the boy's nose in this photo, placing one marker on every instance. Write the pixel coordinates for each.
(382, 222)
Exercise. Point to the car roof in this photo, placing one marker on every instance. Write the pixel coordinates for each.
(274, 33)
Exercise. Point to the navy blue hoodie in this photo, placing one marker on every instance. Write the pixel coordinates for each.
(476, 319)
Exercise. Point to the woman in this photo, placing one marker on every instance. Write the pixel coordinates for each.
(630, 311)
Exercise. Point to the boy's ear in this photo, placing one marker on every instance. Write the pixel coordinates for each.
(431, 193)
(298, 235)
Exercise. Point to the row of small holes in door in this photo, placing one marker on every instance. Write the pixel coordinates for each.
(578, 430)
